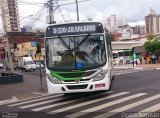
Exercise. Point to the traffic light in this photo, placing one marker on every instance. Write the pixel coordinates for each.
(38, 51)
(15, 46)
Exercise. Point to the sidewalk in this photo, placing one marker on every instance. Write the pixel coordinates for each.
(30, 87)
(149, 66)
(140, 66)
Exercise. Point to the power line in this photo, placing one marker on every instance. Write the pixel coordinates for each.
(58, 6)
(73, 2)
(29, 2)
(38, 14)
(59, 9)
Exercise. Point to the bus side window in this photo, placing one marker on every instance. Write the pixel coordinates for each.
(108, 43)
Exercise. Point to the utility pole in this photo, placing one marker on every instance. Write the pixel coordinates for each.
(51, 12)
(6, 41)
(38, 52)
(77, 10)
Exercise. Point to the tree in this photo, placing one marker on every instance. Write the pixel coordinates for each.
(152, 45)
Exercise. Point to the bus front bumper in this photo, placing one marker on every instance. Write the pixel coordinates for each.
(79, 87)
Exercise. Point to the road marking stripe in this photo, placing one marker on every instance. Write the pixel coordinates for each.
(62, 103)
(129, 106)
(8, 101)
(147, 111)
(75, 115)
(40, 103)
(152, 108)
(87, 102)
(25, 102)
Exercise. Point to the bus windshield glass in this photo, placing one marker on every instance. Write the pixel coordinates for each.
(75, 52)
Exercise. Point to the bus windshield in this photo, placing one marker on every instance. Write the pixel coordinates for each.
(75, 52)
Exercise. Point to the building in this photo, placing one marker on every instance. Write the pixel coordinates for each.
(28, 49)
(25, 44)
(152, 22)
(10, 15)
(122, 21)
(125, 31)
(139, 29)
(111, 23)
(2, 53)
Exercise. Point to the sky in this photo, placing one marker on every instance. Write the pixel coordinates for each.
(97, 10)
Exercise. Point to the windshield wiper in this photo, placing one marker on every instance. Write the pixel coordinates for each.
(64, 43)
(81, 42)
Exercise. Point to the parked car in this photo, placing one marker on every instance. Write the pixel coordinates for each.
(26, 63)
(1, 65)
(38, 66)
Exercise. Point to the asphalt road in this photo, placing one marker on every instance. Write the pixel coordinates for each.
(132, 92)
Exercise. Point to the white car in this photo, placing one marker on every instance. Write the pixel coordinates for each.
(38, 66)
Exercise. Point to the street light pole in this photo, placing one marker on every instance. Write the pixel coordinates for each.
(77, 10)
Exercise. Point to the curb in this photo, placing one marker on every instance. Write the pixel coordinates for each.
(139, 68)
(123, 67)
(157, 68)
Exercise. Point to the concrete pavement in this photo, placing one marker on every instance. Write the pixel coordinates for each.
(149, 66)
(140, 66)
(29, 88)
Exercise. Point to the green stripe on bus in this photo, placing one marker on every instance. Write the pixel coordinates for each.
(60, 75)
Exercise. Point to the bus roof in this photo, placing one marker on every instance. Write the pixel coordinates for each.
(78, 22)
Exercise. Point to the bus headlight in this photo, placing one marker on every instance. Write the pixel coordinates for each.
(100, 76)
(53, 80)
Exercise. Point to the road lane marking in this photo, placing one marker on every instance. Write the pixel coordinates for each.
(8, 101)
(25, 102)
(126, 71)
(129, 106)
(40, 103)
(152, 108)
(63, 103)
(38, 93)
(93, 109)
(87, 102)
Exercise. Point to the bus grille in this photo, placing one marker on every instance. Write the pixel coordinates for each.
(76, 75)
(77, 86)
(74, 80)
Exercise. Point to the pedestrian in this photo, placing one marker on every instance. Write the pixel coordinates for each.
(140, 60)
(145, 58)
(153, 57)
(148, 59)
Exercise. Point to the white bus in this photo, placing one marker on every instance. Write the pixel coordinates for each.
(78, 57)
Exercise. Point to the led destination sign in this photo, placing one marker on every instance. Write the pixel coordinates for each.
(69, 29)
(74, 28)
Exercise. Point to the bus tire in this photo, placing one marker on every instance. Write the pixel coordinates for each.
(113, 77)
(67, 94)
(111, 83)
